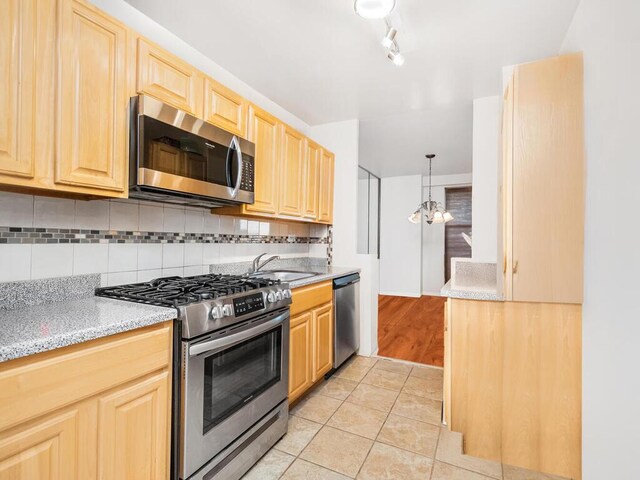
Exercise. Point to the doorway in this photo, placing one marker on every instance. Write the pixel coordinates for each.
(412, 328)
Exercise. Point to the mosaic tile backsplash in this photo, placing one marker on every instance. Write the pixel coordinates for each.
(132, 241)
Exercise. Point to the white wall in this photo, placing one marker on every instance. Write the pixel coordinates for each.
(342, 139)
(400, 240)
(609, 35)
(486, 138)
(167, 40)
(433, 235)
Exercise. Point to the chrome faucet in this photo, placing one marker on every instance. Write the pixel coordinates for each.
(256, 262)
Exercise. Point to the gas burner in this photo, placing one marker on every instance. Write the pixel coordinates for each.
(181, 291)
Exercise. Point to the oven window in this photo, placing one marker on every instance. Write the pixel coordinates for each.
(235, 376)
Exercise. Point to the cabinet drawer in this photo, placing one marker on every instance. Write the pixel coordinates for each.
(306, 298)
(36, 385)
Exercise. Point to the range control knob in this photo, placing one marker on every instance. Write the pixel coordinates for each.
(271, 297)
(217, 312)
(227, 310)
(286, 293)
(278, 295)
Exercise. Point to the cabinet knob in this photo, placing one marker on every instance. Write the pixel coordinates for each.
(515, 267)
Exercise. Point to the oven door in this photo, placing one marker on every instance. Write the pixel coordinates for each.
(178, 153)
(230, 380)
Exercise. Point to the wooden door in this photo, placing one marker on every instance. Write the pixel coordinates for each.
(44, 450)
(300, 353)
(312, 179)
(135, 430)
(264, 132)
(169, 78)
(225, 108)
(18, 30)
(92, 99)
(291, 173)
(322, 341)
(548, 181)
(458, 203)
(325, 202)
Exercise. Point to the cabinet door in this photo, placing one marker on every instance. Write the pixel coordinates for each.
(45, 450)
(300, 352)
(291, 173)
(264, 131)
(505, 182)
(18, 30)
(168, 78)
(135, 430)
(225, 108)
(548, 181)
(325, 203)
(312, 174)
(322, 341)
(446, 407)
(92, 100)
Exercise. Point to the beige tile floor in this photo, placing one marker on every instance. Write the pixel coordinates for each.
(376, 419)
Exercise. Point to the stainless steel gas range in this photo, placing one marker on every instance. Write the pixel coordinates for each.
(231, 373)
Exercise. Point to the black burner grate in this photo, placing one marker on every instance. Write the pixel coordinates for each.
(179, 291)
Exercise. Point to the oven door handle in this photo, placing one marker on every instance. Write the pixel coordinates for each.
(226, 342)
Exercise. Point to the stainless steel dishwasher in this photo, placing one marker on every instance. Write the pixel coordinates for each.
(346, 303)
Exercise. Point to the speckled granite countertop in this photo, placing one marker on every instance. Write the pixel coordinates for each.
(39, 328)
(326, 273)
(470, 293)
(70, 315)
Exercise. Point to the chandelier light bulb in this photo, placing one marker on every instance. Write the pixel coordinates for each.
(447, 217)
(415, 216)
(374, 9)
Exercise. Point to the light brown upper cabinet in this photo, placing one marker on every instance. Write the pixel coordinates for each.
(225, 108)
(325, 195)
(18, 31)
(543, 182)
(168, 78)
(312, 177)
(264, 131)
(91, 118)
(291, 173)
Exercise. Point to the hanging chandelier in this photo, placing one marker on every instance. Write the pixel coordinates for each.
(434, 212)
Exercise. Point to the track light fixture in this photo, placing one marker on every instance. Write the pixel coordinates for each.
(378, 9)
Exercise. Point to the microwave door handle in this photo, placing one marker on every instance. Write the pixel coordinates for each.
(235, 144)
(226, 342)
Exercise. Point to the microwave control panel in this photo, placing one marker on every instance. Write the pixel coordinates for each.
(246, 183)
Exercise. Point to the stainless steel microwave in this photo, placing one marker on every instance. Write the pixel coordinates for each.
(179, 158)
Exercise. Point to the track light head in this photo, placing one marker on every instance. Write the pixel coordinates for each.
(389, 39)
(396, 57)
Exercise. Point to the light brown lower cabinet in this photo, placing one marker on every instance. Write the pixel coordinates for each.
(310, 338)
(513, 382)
(98, 410)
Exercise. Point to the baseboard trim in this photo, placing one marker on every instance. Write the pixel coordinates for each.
(437, 293)
(400, 294)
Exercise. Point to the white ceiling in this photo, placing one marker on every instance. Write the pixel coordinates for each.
(397, 144)
(323, 63)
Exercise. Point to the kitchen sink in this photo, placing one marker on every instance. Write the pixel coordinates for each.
(284, 275)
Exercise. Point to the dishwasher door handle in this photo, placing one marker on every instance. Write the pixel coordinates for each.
(346, 281)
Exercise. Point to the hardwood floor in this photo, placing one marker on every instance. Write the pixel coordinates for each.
(411, 329)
